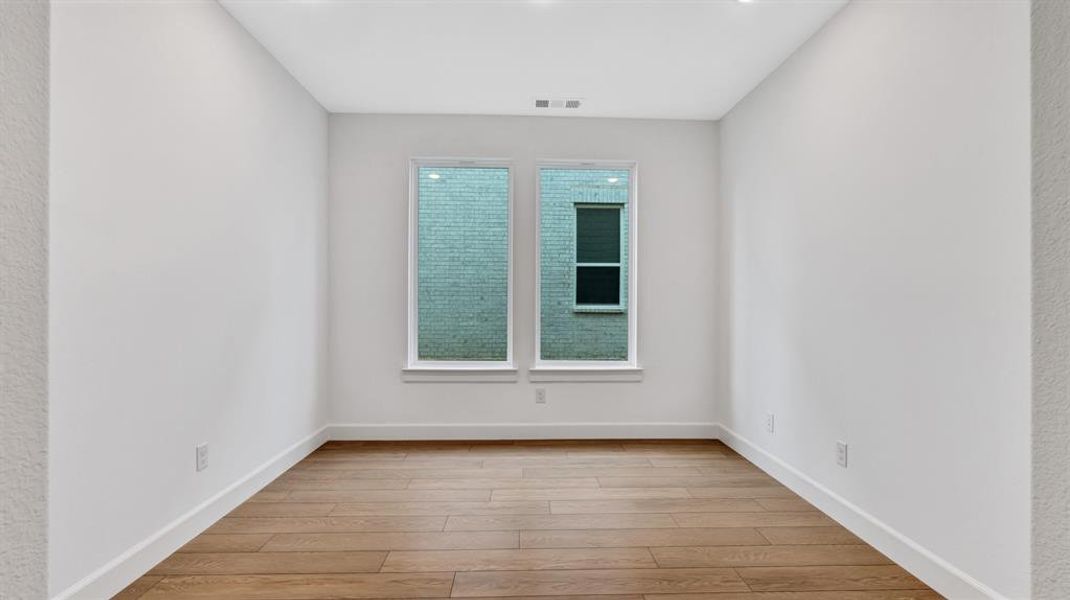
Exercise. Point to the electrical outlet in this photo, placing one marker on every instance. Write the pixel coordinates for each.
(841, 454)
(540, 396)
(769, 422)
(202, 457)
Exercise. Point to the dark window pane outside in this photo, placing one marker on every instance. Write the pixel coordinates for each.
(598, 285)
(597, 235)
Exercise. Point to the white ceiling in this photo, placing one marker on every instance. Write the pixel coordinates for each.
(675, 59)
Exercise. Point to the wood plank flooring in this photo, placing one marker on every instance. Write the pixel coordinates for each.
(569, 520)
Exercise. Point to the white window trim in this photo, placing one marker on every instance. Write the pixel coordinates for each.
(459, 374)
(590, 370)
(465, 371)
(585, 374)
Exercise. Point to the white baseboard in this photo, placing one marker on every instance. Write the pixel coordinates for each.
(110, 579)
(522, 431)
(936, 572)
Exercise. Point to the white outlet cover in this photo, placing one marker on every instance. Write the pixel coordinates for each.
(841, 454)
(770, 422)
(202, 457)
(540, 396)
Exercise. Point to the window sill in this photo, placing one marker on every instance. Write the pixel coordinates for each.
(598, 309)
(585, 374)
(459, 375)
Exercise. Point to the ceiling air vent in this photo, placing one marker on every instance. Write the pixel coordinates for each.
(569, 103)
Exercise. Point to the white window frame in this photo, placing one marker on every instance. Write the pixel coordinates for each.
(591, 370)
(576, 264)
(417, 370)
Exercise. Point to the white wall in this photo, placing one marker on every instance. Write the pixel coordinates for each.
(23, 298)
(1051, 299)
(678, 241)
(878, 187)
(188, 276)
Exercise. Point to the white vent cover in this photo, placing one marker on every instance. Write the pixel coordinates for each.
(567, 103)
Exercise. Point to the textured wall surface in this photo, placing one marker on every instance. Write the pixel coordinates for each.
(566, 333)
(23, 298)
(878, 190)
(188, 217)
(1051, 299)
(463, 263)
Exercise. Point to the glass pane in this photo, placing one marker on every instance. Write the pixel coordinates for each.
(597, 285)
(597, 235)
(583, 214)
(462, 263)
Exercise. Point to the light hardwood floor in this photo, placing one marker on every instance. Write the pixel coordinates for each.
(624, 520)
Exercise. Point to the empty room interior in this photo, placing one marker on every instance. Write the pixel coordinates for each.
(573, 299)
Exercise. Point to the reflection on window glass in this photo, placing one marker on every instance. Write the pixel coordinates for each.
(583, 262)
(462, 263)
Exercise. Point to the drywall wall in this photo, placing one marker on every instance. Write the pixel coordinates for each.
(677, 244)
(878, 191)
(1051, 298)
(188, 271)
(23, 299)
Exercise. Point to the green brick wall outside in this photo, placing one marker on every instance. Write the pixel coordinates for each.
(567, 334)
(463, 263)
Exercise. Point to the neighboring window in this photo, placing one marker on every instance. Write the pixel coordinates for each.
(460, 289)
(598, 257)
(586, 241)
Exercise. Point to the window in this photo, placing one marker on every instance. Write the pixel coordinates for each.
(585, 317)
(460, 265)
(598, 258)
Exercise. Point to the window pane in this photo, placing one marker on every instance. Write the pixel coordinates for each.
(597, 235)
(583, 217)
(597, 285)
(462, 264)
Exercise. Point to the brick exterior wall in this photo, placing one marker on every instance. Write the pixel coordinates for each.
(463, 264)
(568, 334)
